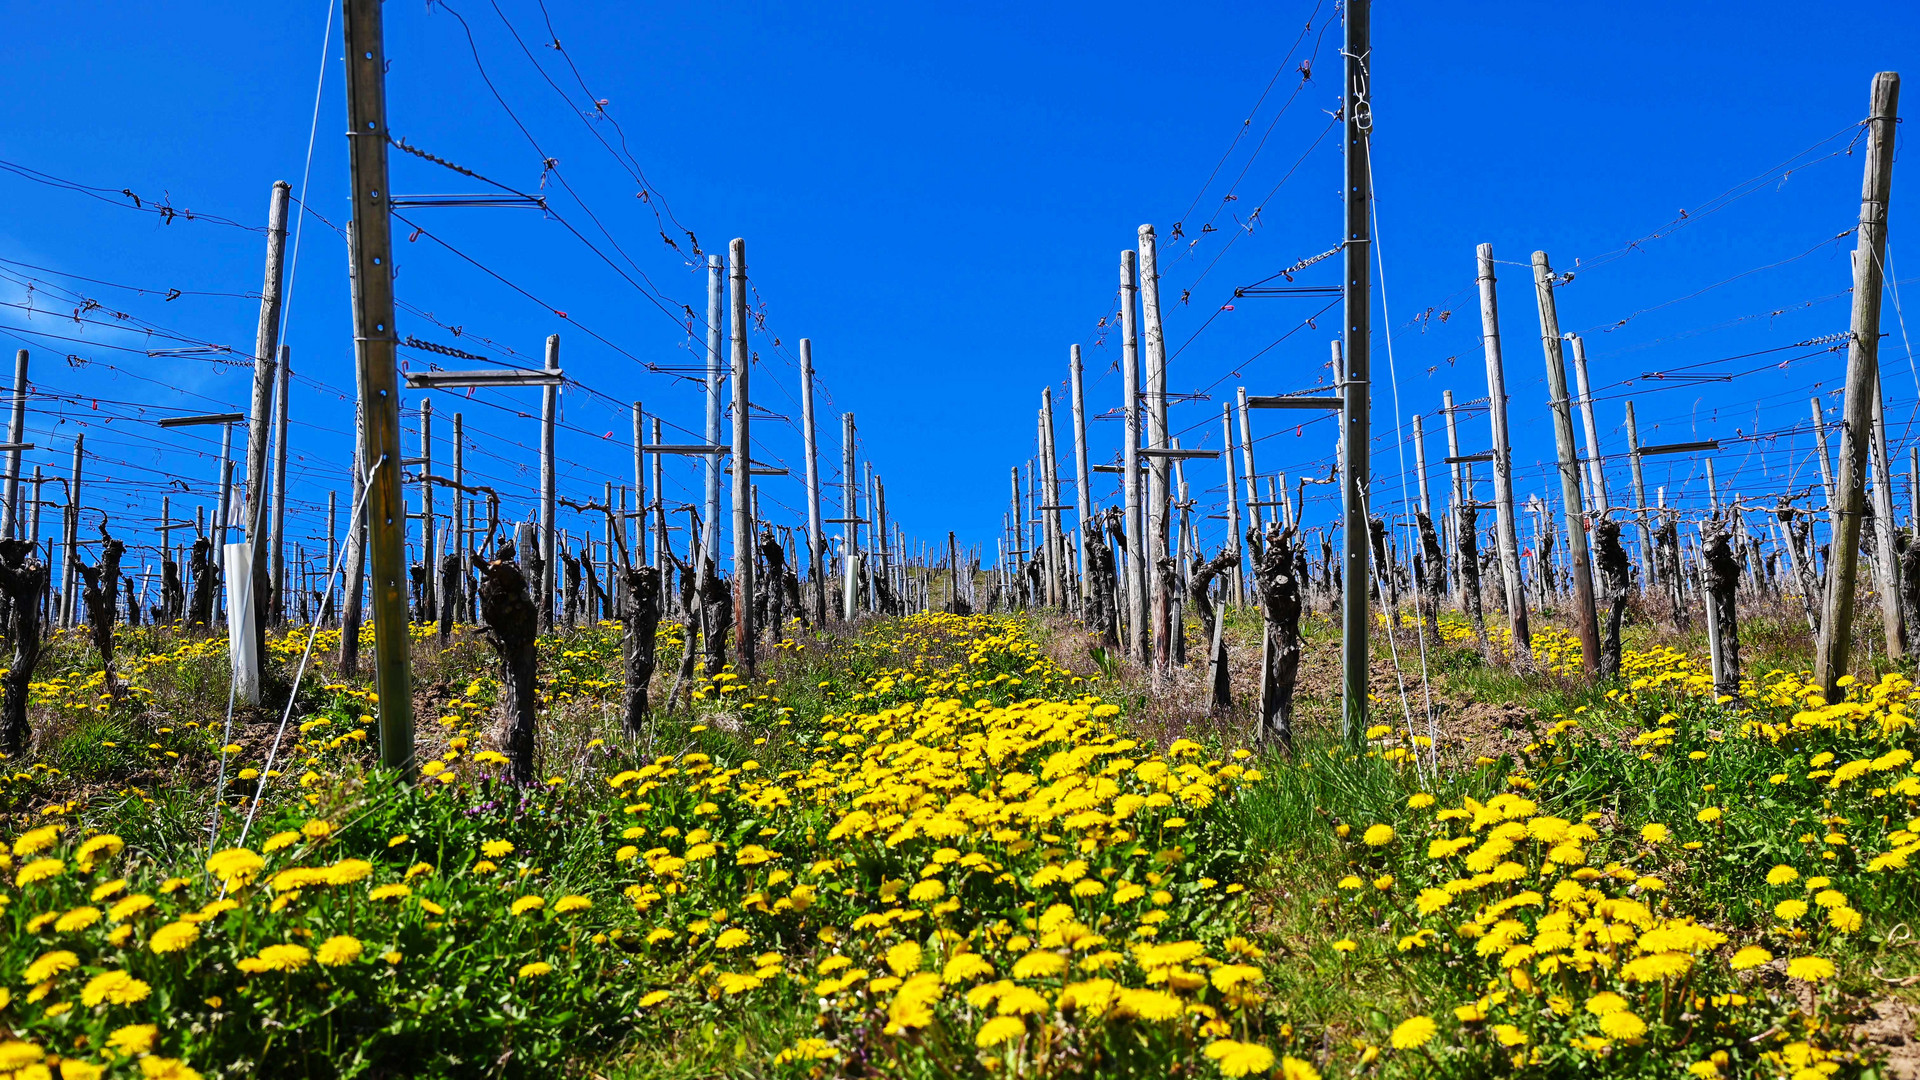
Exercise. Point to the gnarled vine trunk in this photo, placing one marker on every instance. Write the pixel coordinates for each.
(512, 628)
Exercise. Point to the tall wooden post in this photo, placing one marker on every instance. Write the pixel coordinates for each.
(1082, 484)
(266, 351)
(1420, 465)
(1596, 476)
(1649, 563)
(386, 511)
(1886, 563)
(1507, 532)
(1233, 506)
(71, 570)
(1713, 489)
(816, 540)
(549, 423)
(1255, 516)
(742, 461)
(333, 551)
(1579, 565)
(427, 590)
(637, 523)
(1154, 346)
(850, 510)
(16, 435)
(282, 385)
(1354, 376)
(1460, 475)
(716, 352)
(1820, 450)
(1050, 491)
(1137, 643)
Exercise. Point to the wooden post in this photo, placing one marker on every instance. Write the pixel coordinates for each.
(16, 434)
(1050, 487)
(1234, 541)
(266, 351)
(850, 512)
(372, 248)
(1154, 346)
(1130, 462)
(549, 423)
(282, 386)
(743, 538)
(1886, 562)
(1459, 474)
(661, 561)
(716, 361)
(1863, 347)
(70, 575)
(1082, 485)
(816, 540)
(1354, 378)
(636, 525)
(1649, 564)
(1713, 489)
(1820, 450)
(1256, 518)
(1579, 561)
(1505, 528)
(333, 551)
(427, 552)
(1420, 467)
(1596, 476)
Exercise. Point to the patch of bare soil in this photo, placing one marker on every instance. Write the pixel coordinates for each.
(1890, 1039)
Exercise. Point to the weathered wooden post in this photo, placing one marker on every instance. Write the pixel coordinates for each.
(743, 554)
(282, 386)
(1596, 476)
(1082, 484)
(816, 540)
(1506, 530)
(16, 435)
(1713, 489)
(1648, 562)
(1579, 565)
(1886, 562)
(1234, 539)
(548, 555)
(1137, 644)
(426, 509)
(70, 573)
(1820, 452)
(459, 597)
(850, 525)
(266, 357)
(374, 336)
(1863, 347)
(1154, 347)
(716, 363)
(1354, 371)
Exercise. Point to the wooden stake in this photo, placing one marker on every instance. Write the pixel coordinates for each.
(427, 553)
(1082, 485)
(16, 435)
(850, 510)
(716, 352)
(1137, 641)
(282, 385)
(1886, 562)
(1596, 476)
(1234, 541)
(1649, 564)
(266, 350)
(1505, 527)
(1863, 346)
(743, 537)
(1155, 350)
(1355, 379)
(1420, 466)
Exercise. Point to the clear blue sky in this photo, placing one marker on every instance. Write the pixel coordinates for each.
(937, 198)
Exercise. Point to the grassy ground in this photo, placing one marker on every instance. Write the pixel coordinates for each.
(1364, 952)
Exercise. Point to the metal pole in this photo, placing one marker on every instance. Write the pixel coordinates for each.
(379, 390)
(1355, 391)
(1586, 621)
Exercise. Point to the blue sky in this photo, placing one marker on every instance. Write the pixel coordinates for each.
(937, 198)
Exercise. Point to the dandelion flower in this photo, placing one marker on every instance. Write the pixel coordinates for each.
(732, 938)
(1655, 833)
(1782, 875)
(1623, 1026)
(134, 1039)
(654, 997)
(1375, 836)
(339, 949)
(1810, 968)
(1413, 1033)
(1292, 1068)
(535, 969)
(494, 849)
(1750, 957)
(1240, 1058)
(566, 905)
(1789, 910)
(173, 937)
(999, 1030)
(114, 988)
(526, 904)
(49, 965)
